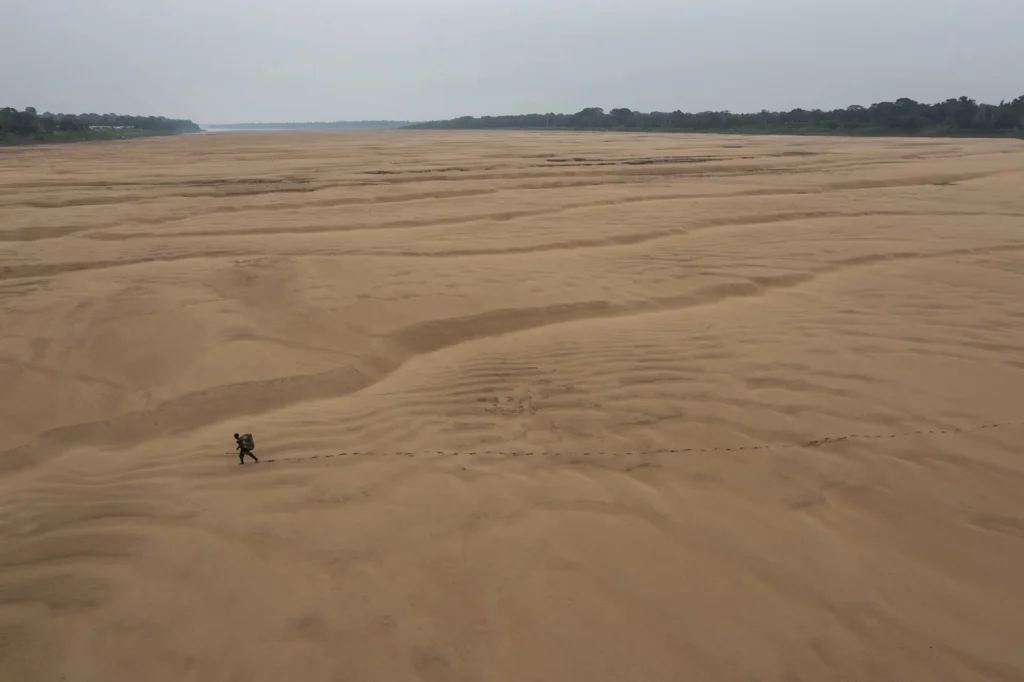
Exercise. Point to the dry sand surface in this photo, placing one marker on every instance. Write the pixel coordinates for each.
(553, 407)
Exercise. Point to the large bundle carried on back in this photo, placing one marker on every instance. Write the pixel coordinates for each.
(247, 442)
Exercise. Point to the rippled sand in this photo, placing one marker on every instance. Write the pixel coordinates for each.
(530, 407)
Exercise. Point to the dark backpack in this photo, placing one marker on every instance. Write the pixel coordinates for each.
(247, 442)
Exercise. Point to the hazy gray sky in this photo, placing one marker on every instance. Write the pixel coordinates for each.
(218, 61)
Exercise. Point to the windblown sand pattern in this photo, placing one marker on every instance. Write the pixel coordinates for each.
(545, 407)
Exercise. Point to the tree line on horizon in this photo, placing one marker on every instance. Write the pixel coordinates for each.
(963, 116)
(31, 125)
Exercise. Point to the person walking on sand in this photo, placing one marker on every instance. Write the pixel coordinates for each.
(245, 446)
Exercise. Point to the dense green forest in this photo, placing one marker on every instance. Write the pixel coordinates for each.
(313, 125)
(28, 126)
(963, 117)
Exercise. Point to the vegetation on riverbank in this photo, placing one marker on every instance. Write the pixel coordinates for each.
(31, 127)
(953, 117)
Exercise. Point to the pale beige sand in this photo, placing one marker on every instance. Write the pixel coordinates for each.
(812, 332)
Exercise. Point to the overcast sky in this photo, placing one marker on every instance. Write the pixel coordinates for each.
(221, 61)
